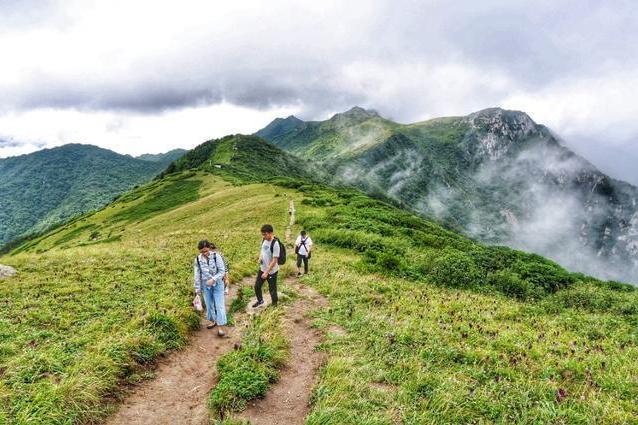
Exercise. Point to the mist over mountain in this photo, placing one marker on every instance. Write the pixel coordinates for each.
(495, 174)
(51, 185)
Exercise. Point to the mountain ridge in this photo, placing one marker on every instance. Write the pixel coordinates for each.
(494, 174)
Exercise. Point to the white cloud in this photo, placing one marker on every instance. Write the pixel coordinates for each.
(128, 132)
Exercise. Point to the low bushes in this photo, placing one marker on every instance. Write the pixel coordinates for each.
(396, 242)
(510, 283)
(595, 298)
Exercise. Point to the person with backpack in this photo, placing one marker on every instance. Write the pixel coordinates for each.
(209, 271)
(271, 256)
(303, 247)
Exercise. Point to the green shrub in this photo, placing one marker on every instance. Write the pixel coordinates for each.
(549, 276)
(594, 298)
(246, 380)
(385, 260)
(511, 284)
(454, 268)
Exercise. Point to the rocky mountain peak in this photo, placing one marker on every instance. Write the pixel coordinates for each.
(502, 122)
(355, 113)
(497, 129)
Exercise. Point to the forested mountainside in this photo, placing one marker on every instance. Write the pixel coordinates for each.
(46, 187)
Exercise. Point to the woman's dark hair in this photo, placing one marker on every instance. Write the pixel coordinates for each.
(203, 244)
(303, 233)
(267, 228)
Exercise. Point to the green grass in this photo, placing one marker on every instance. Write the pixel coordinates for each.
(420, 353)
(170, 196)
(246, 373)
(439, 329)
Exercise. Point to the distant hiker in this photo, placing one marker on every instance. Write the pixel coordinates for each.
(272, 254)
(303, 249)
(209, 273)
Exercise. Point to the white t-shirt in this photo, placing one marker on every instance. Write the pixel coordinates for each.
(303, 250)
(266, 256)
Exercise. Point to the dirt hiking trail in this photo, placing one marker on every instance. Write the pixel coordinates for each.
(287, 401)
(182, 383)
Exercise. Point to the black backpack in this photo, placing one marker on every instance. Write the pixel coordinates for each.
(282, 251)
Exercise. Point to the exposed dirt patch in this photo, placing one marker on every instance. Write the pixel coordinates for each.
(337, 330)
(287, 401)
(182, 383)
(383, 386)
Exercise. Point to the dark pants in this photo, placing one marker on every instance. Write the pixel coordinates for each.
(303, 258)
(272, 287)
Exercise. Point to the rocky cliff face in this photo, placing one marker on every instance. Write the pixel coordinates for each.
(560, 204)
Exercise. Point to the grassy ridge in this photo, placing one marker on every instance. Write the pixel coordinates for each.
(87, 312)
(242, 159)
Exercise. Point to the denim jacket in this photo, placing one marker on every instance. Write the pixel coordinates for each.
(208, 268)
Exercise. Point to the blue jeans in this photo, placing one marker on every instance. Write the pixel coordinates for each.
(215, 303)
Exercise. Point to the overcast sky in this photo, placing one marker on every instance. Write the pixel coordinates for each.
(149, 76)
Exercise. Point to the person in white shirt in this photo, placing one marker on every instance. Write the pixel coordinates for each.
(271, 249)
(303, 248)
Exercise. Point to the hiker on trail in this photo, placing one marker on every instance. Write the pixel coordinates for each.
(303, 248)
(271, 250)
(209, 273)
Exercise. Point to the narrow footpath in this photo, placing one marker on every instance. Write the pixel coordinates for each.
(183, 380)
(287, 401)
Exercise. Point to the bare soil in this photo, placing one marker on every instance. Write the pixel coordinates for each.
(183, 381)
(287, 401)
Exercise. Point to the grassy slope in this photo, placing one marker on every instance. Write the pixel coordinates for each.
(240, 158)
(434, 329)
(433, 350)
(81, 316)
(326, 139)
